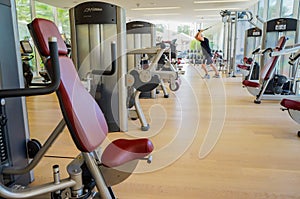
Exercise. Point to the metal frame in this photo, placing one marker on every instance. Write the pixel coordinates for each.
(259, 92)
(231, 18)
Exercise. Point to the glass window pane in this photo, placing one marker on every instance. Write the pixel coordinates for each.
(44, 11)
(24, 18)
(260, 11)
(287, 8)
(273, 9)
(298, 10)
(63, 22)
(23, 15)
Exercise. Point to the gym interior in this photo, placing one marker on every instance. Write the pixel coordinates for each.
(108, 99)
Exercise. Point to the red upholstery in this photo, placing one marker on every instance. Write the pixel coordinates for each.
(82, 114)
(268, 68)
(242, 66)
(251, 84)
(290, 104)
(87, 121)
(43, 29)
(118, 151)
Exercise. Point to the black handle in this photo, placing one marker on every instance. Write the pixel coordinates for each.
(113, 63)
(50, 88)
(256, 51)
(294, 58)
(267, 50)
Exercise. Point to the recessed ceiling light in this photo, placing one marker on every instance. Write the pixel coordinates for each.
(163, 14)
(155, 8)
(206, 16)
(219, 1)
(211, 9)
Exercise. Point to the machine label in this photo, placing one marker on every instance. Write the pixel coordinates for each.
(95, 13)
(282, 24)
(87, 10)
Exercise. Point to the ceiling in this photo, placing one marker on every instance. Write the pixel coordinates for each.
(179, 11)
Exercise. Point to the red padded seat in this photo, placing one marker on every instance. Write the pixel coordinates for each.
(83, 116)
(243, 67)
(120, 151)
(251, 84)
(290, 104)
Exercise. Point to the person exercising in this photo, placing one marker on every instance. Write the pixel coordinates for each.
(206, 51)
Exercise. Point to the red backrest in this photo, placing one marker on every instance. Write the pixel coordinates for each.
(82, 114)
(269, 67)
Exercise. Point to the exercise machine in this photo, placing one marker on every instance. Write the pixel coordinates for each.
(271, 85)
(258, 88)
(293, 106)
(272, 31)
(141, 50)
(234, 21)
(14, 130)
(253, 38)
(140, 34)
(250, 67)
(27, 56)
(94, 26)
(88, 128)
(154, 54)
(250, 64)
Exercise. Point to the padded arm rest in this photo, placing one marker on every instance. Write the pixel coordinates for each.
(122, 151)
(50, 88)
(290, 104)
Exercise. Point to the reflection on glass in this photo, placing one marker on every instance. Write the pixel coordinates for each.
(287, 8)
(260, 11)
(273, 9)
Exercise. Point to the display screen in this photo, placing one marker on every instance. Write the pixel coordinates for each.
(26, 47)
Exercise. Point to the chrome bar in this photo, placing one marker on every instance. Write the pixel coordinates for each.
(56, 132)
(97, 175)
(35, 191)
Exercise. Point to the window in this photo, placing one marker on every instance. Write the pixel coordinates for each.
(298, 8)
(273, 9)
(44, 11)
(287, 8)
(63, 22)
(260, 11)
(24, 17)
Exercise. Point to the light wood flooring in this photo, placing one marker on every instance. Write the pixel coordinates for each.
(211, 142)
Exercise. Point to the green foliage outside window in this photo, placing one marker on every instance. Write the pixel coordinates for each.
(184, 29)
(41, 11)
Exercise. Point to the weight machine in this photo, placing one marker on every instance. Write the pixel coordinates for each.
(94, 26)
(270, 86)
(234, 37)
(14, 130)
(87, 125)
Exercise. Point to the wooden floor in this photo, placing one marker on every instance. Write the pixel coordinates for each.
(211, 142)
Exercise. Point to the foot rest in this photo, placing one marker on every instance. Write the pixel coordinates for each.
(122, 151)
(248, 83)
(290, 104)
